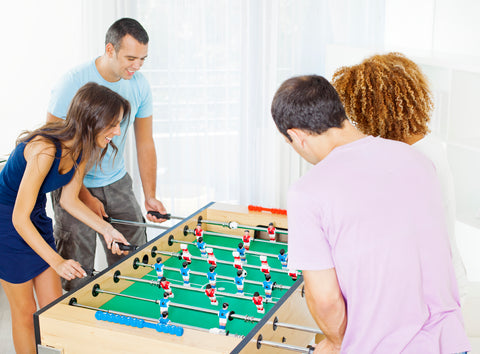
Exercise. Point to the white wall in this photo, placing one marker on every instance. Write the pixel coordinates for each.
(443, 36)
(40, 40)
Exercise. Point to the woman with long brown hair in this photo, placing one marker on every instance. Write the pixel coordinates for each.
(52, 156)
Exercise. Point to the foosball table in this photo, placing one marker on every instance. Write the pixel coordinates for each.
(216, 282)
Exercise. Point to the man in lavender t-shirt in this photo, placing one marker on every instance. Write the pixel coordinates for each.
(367, 228)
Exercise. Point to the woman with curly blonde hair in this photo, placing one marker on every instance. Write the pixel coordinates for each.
(388, 96)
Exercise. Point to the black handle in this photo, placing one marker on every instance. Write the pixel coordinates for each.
(125, 247)
(107, 219)
(158, 215)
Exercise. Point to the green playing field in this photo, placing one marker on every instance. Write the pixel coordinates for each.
(188, 296)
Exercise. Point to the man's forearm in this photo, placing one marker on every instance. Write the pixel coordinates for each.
(147, 165)
(326, 304)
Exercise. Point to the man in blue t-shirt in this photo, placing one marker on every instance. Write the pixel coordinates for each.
(107, 187)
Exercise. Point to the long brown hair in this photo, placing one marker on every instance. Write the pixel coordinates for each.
(93, 109)
(386, 95)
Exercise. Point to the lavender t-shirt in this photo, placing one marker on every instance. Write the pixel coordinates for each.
(372, 209)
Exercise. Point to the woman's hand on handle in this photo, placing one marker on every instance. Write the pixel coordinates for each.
(69, 269)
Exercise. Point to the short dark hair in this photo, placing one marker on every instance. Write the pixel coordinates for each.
(309, 103)
(121, 28)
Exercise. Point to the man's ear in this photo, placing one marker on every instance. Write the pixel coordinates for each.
(110, 50)
(297, 135)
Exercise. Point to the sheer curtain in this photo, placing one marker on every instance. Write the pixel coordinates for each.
(214, 67)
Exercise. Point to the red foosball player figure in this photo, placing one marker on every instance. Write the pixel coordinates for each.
(264, 267)
(237, 262)
(185, 253)
(271, 232)
(293, 273)
(210, 292)
(165, 284)
(246, 239)
(211, 257)
(198, 231)
(258, 301)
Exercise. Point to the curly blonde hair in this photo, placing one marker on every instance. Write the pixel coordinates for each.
(386, 95)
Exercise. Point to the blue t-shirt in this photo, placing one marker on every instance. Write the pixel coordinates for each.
(241, 251)
(164, 302)
(267, 285)
(136, 91)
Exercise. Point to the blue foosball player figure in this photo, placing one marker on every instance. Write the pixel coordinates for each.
(164, 319)
(241, 251)
(283, 258)
(164, 302)
(159, 268)
(185, 271)
(201, 247)
(212, 276)
(223, 316)
(268, 286)
(239, 281)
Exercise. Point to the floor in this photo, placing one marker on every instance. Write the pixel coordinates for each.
(6, 343)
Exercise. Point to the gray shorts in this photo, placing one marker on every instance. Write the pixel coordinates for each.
(75, 240)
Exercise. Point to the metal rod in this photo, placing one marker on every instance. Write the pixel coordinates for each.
(300, 328)
(219, 261)
(177, 217)
(294, 326)
(229, 249)
(234, 225)
(294, 348)
(157, 301)
(239, 237)
(279, 286)
(136, 223)
(238, 296)
(128, 296)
